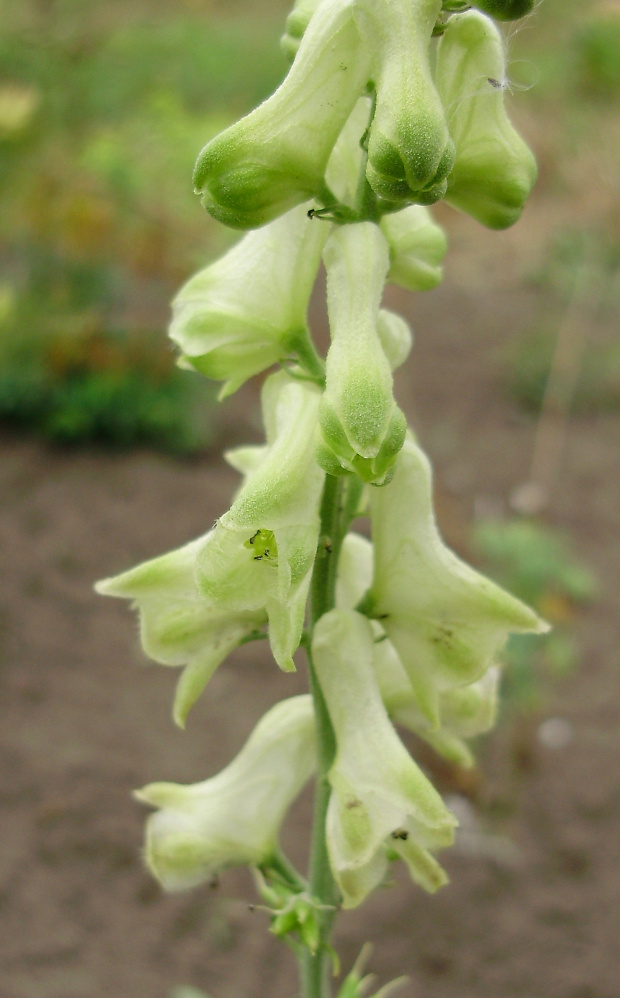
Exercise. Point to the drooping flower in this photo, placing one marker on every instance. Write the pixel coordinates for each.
(465, 711)
(446, 621)
(247, 311)
(178, 625)
(379, 796)
(261, 552)
(494, 171)
(233, 818)
(275, 158)
(363, 428)
(410, 151)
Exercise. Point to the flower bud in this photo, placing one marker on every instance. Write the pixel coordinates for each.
(178, 626)
(276, 157)
(504, 10)
(417, 248)
(446, 621)
(494, 171)
(247, 310)
(395, 337)
(410, 152)
(361, 425)
(261, 552)
(233, 818)
(379, 795)
(296, 24)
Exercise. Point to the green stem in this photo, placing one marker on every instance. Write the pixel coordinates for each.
(338, 507)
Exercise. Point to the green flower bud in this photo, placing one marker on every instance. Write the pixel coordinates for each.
(410, 152)
(247, 310)
(417, 248)
(494, 171)
(178, 626)
(505, 10)
(261, 552)
(233, 818)
(379, 795)
(296, 24)
(361, 425)
(276, 157)
(446, 621)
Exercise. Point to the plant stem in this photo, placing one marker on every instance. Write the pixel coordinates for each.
(338, 507)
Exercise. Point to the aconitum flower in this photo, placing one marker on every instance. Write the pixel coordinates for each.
(410, 152)
(379, 797)
(178, 625)
(363, 428)
(247, 310)
(276, 157)
(233, 818)
(446, 621)
(494, 171)
(417, 248)
(261, 552)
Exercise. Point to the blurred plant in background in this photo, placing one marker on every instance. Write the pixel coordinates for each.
(99, 114)
(536, 563)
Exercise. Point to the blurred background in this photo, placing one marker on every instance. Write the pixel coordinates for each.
(109, 455)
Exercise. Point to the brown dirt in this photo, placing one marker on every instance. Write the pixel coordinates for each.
(534, 905)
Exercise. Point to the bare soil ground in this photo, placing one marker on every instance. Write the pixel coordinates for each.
(534, 905)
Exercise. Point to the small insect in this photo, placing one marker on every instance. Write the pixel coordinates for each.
(400, 833)
(495, 83)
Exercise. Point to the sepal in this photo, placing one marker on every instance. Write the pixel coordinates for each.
(276, 157)
(494, 170)
(446, 621)
(261, 552)
(233, 818)
(379, 796)
(178, 626)
(247, 311)
(360, 421)
(417, 248)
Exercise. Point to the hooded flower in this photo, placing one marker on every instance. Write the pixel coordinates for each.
(446, 621)
(465, 711)
(410, 152)
(261, 552)
(494, 171)
(247, 310)
(379, 796)
(178, 626)
(362, 427)
(233, 818)
(276, 157)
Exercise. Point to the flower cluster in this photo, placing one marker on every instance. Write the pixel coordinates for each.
(365, 127)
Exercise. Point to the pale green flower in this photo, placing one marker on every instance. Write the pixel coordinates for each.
(379, 796)
(296, 24)
(494, 171)
(446, 621)
(261, 553)
(178, 626)
(410, 152)
(465, 711)
(417, 248)
(276, 157)
(395, 337)
(233, 818)
(247, 310)
(362, 427)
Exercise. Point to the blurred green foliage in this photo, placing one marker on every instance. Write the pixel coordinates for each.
(103, 109)
(536, 563)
